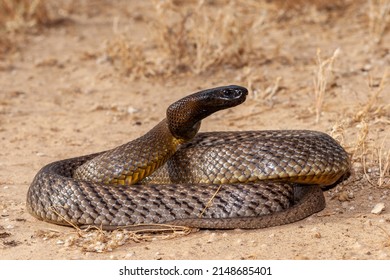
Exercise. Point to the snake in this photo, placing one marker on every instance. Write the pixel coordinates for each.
(176, 175)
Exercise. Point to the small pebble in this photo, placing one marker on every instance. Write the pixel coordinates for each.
(357, 245)
(367, 67)
(132, 110)
(317, 235)
(211, 238)
(378, 208)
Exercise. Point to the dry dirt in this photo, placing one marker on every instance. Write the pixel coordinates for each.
(64, 93)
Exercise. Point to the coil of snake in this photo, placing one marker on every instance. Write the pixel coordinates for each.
(174, 175)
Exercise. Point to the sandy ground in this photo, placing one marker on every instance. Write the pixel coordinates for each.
(61, 97)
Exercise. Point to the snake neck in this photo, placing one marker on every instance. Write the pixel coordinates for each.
(130, 163)
(185, 115)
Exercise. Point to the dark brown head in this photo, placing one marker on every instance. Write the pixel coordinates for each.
(185, 115)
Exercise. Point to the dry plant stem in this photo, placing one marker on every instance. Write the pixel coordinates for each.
(337, 132)
(271, 91)
(372, 104)
(379, 17)
(360, 151)
(384, 164)
(321, 80)
(67, 221)
(210, 201)
(360, 143)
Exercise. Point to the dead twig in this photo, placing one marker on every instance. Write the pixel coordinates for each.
(321, 80)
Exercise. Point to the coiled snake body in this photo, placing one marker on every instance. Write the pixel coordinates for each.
(172, 175)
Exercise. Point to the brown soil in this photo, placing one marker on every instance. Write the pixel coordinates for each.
(97, 76)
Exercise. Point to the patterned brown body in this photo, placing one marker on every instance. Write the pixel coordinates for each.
(250, 179)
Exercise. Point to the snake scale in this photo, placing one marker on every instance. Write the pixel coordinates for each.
(175, 175)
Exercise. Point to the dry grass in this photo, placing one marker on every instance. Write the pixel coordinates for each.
(21, 15)
(199, 39)
(322, 77)
(192, 37)
(201, 36)
(384, 165)
(379, 17)
(369, 151)
(373, 108)
(130, 59)
(99, 241)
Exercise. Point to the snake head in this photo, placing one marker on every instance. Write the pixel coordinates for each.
(185, 115)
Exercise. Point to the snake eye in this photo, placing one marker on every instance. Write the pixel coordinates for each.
(233, 92)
